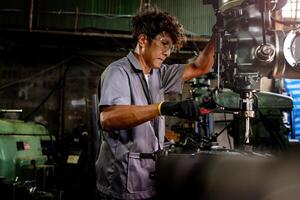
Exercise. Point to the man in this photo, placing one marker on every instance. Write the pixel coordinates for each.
(132, 105)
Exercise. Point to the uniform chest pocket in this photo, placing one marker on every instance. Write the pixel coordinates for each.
(138, 175)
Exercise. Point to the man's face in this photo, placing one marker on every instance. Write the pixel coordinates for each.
(158, 49)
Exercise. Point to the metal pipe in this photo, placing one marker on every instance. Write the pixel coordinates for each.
(11, 10)
(94, 34)
(263, 20)
(10, 110)
(76, 19)
(30, 15)
(85, 14)
(69, 33)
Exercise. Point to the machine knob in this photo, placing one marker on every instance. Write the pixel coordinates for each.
(265, 52)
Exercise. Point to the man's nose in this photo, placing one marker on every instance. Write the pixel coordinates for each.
(167, 52)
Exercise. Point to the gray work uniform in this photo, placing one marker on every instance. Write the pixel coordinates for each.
(121, 172)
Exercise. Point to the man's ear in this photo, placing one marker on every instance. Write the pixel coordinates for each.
(142, 40)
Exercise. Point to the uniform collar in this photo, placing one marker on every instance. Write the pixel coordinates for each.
(135, 63)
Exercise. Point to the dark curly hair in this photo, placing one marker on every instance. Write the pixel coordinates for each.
(152, 22)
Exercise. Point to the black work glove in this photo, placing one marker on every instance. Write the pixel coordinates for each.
(184, 109)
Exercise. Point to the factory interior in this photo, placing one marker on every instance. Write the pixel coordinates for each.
(244, 145)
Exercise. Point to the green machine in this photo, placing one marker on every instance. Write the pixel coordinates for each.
(20, 148)
(269, 125)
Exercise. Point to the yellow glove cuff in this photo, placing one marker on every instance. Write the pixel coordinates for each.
(158, 107)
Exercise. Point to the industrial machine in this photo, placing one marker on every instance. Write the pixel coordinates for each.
(269, 130)
(21, 147)
(248, 47)
(34, 165)
(25, 169)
